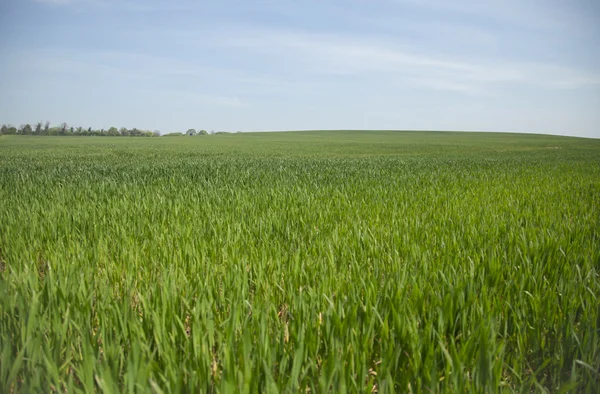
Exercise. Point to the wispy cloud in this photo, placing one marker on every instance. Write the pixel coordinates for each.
(54, 2)
(131, 5)
(347, 56)
(114, 63)
(533, 14)
(198, 99)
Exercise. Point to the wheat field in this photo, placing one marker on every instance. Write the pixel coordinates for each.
(321, 261)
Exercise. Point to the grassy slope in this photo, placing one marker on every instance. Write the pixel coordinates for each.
(338, 259)
(329, 143)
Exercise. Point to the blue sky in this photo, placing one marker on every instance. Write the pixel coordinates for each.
(512, 65)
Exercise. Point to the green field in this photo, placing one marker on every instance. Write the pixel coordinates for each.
(325, 261)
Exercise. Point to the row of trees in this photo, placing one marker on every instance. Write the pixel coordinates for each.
(190, 132)
(194, 132)
(64, 129)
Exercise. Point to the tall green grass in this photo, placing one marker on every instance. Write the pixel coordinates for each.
(294, 262)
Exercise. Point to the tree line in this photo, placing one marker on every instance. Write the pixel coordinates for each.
(189, 132)
(40, 128)
(194, 132)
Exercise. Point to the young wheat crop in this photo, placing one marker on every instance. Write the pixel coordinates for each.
(288, 262)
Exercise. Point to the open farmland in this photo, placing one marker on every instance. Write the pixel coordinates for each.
(302, 261)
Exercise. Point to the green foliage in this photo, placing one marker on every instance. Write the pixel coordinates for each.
(65, 130)
(8, 130)
(25, 129)
(295, 262)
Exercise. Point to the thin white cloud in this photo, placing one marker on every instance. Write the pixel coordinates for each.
(559, 77)
(536, 14)
(198, 98)
(449, 85)
(347, 56)
(130, 5)
(54, 2)
(111, 63)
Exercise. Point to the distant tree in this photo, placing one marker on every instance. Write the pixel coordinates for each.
(3, 129)
(46, 127)
(72, 130)
(156, 133)
(123, 131)
(62, 129)
(202, 132)
(191, 132)
(26, 129)
(174, 135)
(113, 131)
(38, 128)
